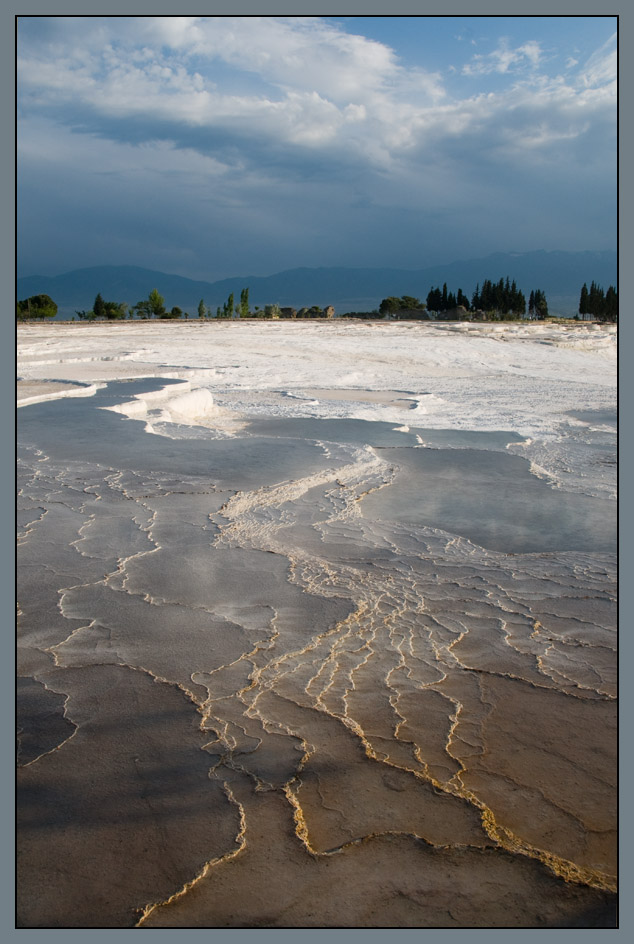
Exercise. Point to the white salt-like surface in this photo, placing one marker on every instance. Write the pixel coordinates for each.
(524, 378)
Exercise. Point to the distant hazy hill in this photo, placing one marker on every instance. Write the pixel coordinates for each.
(559, 274)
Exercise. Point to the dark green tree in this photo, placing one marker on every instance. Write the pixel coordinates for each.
(517, 302)
(434, 299)
(227, 309)
(499, 300)
(611, 304)
(583, 300)
(487, 296)
(520, 304)
(390, 305)
(143, 308)
(202, 311)
(99, 306)
(157, 303)
(597, 302)
(115, 311)
(593, 299)
(603, 306)
(244, 303)
(151, 307)
(461, 299)
(541, 306)
(36, 306)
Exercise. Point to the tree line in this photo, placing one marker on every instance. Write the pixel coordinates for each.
(499, 298)
(494, 300)
(274, 311)
(154, 307)
(151, 307)
(604, 306)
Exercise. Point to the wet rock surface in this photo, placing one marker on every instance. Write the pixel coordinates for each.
(255, 691)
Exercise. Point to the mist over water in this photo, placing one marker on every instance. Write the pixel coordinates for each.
(311, 672)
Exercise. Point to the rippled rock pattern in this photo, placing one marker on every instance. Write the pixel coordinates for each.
(262, 683)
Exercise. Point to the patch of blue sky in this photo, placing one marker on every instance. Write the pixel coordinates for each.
(487, 47)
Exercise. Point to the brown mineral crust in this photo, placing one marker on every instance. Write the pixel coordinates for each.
(124, 810)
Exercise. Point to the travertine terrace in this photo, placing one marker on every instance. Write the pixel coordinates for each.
(316, 625)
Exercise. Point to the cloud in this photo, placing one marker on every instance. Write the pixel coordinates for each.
(298, 82)
(277, 128)
(504, 59)
(312, 83)
(601, 69)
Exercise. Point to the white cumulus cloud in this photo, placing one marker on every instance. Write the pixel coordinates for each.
(295, 116)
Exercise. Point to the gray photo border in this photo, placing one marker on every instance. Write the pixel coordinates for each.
(620, 8)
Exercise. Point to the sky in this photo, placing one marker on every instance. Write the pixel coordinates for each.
(212, 147)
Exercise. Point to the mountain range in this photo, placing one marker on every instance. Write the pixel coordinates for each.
(559, 274)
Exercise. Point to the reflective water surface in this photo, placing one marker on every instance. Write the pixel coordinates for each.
(310, 675)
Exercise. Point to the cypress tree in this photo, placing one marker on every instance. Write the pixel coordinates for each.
(513, 297)
(611, 304)
(541, 306)
(583, 300)
(499, 297)
(244, 303)
(99, 306)
(593, 299)
(521, 304)
(462, 299)
(487, 299)
(484, 295)
(434, 300)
